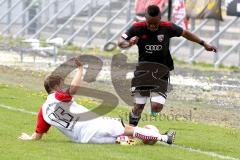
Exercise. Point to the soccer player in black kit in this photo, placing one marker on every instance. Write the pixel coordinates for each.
(152, 38)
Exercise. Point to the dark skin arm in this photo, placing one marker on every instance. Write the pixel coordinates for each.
(194, 38)
(122, 43)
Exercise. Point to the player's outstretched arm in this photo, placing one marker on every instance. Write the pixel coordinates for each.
(75, 84)
(122, 43)
(192, 37)
(34, 136)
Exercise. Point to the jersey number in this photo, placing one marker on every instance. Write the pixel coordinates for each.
(62, 118)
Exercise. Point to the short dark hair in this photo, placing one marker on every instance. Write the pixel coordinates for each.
(153, 11)
(51, 81)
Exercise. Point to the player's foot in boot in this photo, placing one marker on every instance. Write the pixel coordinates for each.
(171, 136)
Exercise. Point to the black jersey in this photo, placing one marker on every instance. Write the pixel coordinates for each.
(154, 46)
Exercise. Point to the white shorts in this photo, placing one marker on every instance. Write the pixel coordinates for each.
(138, 99)
(108, 132)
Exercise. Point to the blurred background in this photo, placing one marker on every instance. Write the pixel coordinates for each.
(81, 24)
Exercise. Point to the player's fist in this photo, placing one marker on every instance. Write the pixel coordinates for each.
(134, 40)
(78, 62)
(25, 137)
(209, 47)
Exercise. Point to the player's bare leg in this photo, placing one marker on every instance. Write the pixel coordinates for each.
(157, 102)
(146, 134)
(135, 114)
(156, 108)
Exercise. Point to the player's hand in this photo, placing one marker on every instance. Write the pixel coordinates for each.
(133, 40)
(209, 47)
(78, 62)
(25, 137)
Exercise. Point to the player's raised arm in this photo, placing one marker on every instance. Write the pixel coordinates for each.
(192, 37)
(75, 84)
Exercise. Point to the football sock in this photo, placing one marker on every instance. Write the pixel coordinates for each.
(133, 120)
(146, 134)
(154, 114)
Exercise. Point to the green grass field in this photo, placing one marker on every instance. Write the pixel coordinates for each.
(201, 141)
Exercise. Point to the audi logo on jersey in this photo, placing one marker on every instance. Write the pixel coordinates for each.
(151, 48)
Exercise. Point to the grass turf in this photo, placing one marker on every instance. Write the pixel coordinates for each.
(210, 138)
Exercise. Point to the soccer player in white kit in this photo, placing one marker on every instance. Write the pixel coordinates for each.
(59, 108)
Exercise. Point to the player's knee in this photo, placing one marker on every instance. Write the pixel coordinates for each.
(156, 107)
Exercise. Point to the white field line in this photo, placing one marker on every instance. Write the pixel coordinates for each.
(17, 109)
(211, 154)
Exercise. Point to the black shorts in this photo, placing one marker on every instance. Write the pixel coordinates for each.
(148, 80)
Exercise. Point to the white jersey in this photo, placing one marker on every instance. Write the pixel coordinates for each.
(62, 115)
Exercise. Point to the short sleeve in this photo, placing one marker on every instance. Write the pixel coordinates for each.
(42, 126)
(175, 30)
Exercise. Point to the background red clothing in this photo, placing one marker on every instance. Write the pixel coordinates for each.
(141, 5)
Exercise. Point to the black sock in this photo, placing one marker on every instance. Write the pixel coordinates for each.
(133, 120)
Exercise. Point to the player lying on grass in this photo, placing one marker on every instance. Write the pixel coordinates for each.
(98, 130)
